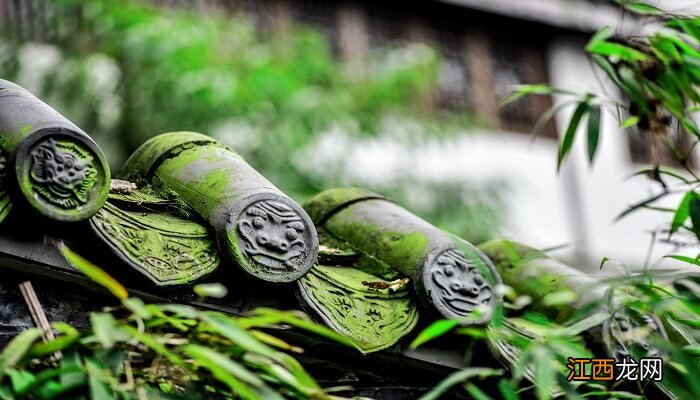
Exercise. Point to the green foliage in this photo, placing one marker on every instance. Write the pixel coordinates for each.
(126, 71)
(538, 367)
(658, 75)
(166, 351)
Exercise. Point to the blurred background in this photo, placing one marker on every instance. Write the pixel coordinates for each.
(401, 98)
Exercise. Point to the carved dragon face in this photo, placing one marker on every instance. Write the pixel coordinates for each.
(61, 173)
(273, 234)
(458, 285)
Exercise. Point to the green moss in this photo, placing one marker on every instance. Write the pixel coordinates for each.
(532, 273)
(325, 203)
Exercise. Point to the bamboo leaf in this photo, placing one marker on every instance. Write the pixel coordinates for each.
(275, 342)
(58, 344)
(208, 357)
(433, 331)
(694, 211)
(104, 327)
(616, 50)
(151, 342)
(570, 134)
(230, 373)
(593, 131)
(21, 381)
(662, 171)
(476, 393)
(227, 327)
(93, 272)
(601, 36)
(642, 8)
(215, 290)
(640, 204)
(525, 90)
(545, 372)
(99, 390)
(508, 390)
(688, 26)
(682, 213)
(607, 67)
(629, 122)
(457, 378)
(686, 259)
(633, 89)
(682, 330)
(270, 316)
(17, 348)
(585, 324)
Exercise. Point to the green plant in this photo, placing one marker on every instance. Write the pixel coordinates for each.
(127, 71)
(657, 75)
(166, 351)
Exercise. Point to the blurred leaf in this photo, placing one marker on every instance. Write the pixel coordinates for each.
(215, 290)
(64, 328)
(104, 327)
(602, 35)
(682, 213)
(72, 370)
(642, 8)
(662, 171)
(545, 372)
(682, 330)
(151, 342)
(93, 272)
(230, 372)
(228, 328)
(275, 342)
(607, 67)
(17, 348)
(457, 378)
(694, 211)
(686, 259)
(50, 347)
(508, 390)
(99, 390)
(593, 131)
(585, 324)
(633, 89)
(629, 122)
(599, 45)
(570, 134)
(559, 298)
(641, 204)
(21, 380)
(476, 393)
(136, 306)
(525, 90)
(271, 316)
(433, 331)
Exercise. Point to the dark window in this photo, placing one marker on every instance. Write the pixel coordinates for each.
(453, 85)
(518, 64)
(320, 15)
(386, 28)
